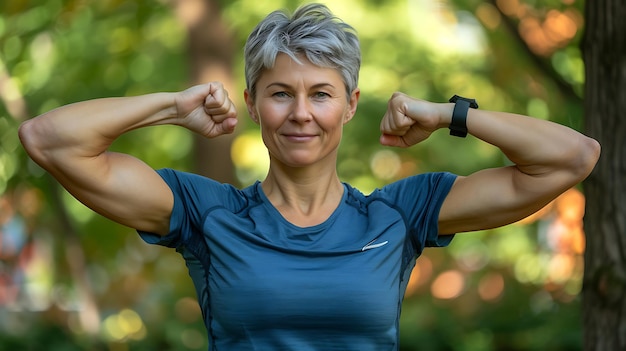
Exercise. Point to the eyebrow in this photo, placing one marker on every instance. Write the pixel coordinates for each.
(314, 86)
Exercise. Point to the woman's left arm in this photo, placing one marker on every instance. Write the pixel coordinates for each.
(548, 158)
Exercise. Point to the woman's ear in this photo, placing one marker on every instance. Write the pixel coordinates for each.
(250, 105)
(352, 104)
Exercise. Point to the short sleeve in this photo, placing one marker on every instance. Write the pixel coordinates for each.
(193, 196)
(419, 198)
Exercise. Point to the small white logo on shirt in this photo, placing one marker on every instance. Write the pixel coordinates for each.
(371, 245)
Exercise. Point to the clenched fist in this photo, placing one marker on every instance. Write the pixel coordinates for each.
(206, 109)
(409, 121)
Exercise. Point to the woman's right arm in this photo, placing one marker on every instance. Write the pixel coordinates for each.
(71, 143)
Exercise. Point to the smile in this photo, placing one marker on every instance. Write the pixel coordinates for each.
(299, 137)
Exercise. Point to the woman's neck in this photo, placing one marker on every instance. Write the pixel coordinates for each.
(304, 196)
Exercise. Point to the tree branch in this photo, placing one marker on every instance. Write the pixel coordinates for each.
(542, 65)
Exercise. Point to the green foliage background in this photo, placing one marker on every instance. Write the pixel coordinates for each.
(61, 51)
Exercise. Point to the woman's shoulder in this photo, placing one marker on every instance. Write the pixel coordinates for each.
(407, 194)
(185, 178)
(198, 188)
(415, 183)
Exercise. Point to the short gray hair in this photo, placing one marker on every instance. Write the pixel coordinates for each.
(312, 31)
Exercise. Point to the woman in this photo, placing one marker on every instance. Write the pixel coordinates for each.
(300, 260)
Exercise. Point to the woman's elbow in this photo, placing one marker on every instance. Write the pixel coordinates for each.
(26, 134)
(588, 156)
(32, 140)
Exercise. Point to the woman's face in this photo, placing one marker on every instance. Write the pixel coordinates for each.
(301, 109)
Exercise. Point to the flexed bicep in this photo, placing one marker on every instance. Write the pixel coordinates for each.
(123, 189)
(496, 197)
(71, 143)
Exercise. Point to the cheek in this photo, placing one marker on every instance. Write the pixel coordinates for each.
(270, 115)
(333, 119)
(269, 124)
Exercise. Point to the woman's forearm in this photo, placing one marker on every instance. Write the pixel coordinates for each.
(535, 146)
(88, 128)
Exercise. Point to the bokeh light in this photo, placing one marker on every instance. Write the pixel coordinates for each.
(448, 285)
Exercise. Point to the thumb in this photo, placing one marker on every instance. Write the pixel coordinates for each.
(227, 126)
(392, 140)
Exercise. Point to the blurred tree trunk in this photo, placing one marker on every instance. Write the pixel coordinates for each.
(210, 51)
(604, 289)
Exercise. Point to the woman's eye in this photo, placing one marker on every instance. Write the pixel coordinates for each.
(280, 94)
(321, 95)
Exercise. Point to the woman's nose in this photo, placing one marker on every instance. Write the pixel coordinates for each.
(301, 109)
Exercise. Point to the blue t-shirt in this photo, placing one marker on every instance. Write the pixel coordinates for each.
(266, 284)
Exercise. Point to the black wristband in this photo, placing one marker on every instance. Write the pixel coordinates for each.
(458, 125)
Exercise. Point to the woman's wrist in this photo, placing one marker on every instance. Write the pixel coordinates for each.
(445, 111)
(166, 111)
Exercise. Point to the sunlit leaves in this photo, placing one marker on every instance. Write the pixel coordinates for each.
(56, 52)
(569, 64)
(489, 16)
(9, 155)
